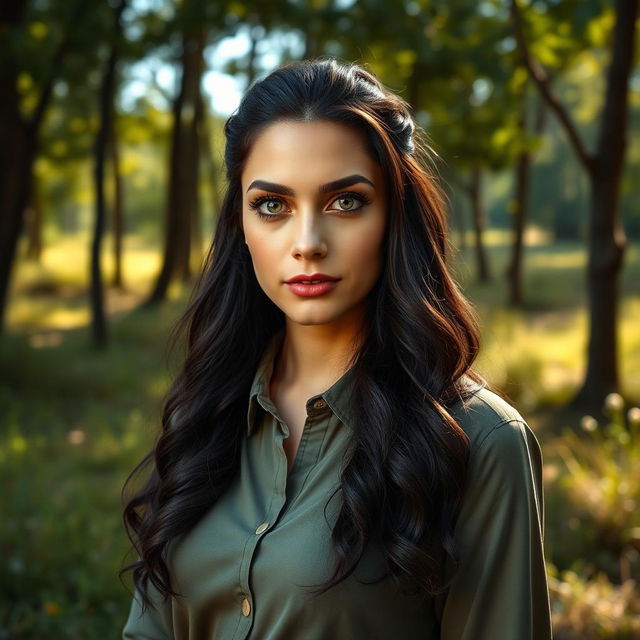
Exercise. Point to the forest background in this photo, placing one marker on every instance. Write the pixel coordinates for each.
(111, 175)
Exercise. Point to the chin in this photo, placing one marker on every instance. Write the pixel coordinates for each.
(310, 321)
(311, 318)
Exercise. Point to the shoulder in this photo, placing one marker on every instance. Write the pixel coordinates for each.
(504, 451)
(491, 422)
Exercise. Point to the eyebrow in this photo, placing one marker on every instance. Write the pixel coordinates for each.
(324, 188)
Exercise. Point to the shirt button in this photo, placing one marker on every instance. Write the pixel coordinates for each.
(319, 404)
(262, 528)
(246, 607)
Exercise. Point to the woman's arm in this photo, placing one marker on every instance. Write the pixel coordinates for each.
(500, 590)
(154, 624)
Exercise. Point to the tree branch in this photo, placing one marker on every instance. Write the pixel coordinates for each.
(45, 95)
(541, 79)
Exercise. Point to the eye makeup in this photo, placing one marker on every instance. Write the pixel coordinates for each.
(358, 197)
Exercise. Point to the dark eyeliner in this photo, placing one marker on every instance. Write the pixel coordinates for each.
(255, 204)
(358, 196)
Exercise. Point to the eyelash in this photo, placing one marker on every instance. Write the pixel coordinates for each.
(255, 204)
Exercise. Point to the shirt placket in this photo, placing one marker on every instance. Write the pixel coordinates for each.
(313, 434)
(283, 493)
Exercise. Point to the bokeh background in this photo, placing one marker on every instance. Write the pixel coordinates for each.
(111, 176)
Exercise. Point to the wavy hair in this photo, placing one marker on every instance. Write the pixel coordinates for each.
(404, 470)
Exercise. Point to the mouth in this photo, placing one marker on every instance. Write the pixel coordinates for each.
(311, 278)
(311, 288)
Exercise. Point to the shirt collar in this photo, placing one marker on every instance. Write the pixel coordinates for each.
(337, 396)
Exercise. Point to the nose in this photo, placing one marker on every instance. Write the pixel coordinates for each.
(309, 242)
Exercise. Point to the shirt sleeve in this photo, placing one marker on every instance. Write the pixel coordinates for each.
(500, 590)
(154, 624)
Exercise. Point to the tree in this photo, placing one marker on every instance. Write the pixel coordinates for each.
(182, 199)
(106, 111)
(19, 125)
(117, 207)
(514, 271)
(606, 238)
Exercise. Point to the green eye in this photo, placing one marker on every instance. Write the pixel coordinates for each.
(357, 200)
(275, 206)
(348, 199)
(272, 205)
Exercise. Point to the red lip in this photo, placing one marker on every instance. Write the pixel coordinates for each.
(313, 276)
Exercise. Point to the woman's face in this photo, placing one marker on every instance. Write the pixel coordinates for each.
(323, 204)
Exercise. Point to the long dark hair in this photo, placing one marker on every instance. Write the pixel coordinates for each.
(404, 472)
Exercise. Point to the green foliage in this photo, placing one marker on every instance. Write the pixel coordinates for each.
(592, 498)
(594, 493)
(592, 608)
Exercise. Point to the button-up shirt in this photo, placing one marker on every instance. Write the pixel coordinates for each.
(242, 570)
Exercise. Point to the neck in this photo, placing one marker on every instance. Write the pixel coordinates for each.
(315, 356)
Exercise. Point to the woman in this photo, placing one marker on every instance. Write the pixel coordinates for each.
(330, 466)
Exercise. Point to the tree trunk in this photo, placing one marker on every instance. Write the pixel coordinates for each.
(17, 153)
(172, 224)
(182, 168)
(19, 139)
(33, 220)
(311, 40)
(523, 169)
(118, 208)
(457, 224)
(106, 111)
(606, 251)
(17, 150)
(450, 179)
(206, 142)
(459, 217)
(200, 130)
(253, 20)
(478, 216)
(607, 240)
(606, 237)
(514, 269)
(192, 246)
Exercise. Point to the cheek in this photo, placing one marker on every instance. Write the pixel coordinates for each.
(259, 255)
(264, 255)
(364, 249)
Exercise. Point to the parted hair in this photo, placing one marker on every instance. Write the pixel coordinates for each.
(404, 469)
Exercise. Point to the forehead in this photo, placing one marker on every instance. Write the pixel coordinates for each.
(318, 151)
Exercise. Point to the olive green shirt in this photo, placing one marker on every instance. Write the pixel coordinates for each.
(242, 569)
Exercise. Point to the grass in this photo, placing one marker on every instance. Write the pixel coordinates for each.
(74, 421)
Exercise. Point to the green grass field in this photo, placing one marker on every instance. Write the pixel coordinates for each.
(74, 421)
